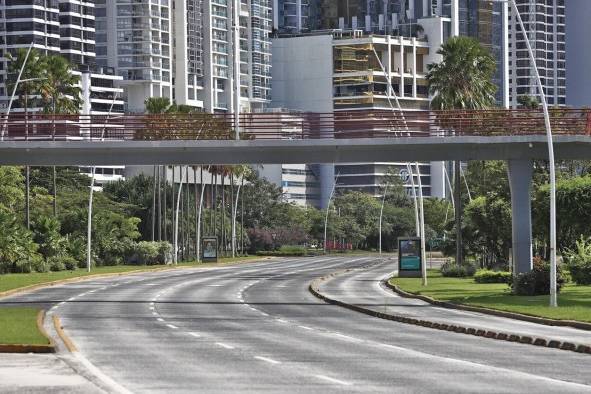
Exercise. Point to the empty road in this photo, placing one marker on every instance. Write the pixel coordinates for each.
(256, 328)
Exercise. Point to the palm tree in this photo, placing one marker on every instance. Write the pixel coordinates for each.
(462, 80)
(157, 105)
(241, 172)
(61, 95)
(28, 86)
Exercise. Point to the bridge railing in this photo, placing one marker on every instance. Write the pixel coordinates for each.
(291, 125)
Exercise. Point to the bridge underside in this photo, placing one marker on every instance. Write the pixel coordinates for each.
(518, 151)
(88, 153)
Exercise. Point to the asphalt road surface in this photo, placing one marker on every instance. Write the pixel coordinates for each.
(256, 328)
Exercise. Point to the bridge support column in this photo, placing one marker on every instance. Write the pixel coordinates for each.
(520, 182)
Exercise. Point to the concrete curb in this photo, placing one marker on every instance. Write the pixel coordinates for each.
(26, 289)
(501, 336)
(62, 334)
(510, 315)
(25, 348)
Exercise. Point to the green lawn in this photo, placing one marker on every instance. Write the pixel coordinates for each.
(14, 281)
(19, 326)
(574, 301)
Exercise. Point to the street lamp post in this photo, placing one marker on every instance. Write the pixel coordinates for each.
(328, 210)
(549, 138)
(381, 215)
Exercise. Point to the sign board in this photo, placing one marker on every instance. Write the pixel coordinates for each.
(209, 249)
(409, 257)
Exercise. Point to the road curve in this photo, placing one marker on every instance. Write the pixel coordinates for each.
(255, 327)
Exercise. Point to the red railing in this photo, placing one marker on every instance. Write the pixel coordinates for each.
(292, 125)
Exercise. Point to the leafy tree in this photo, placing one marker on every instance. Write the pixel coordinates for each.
(487, 230)
(11, 192)
(463, 79)
(528, 102)
(573, 199)
(18, 251)
(46, 233)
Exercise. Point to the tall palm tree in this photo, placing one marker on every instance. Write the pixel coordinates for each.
(157, 105)
(462, 80)
(61, 95)
(27, 89)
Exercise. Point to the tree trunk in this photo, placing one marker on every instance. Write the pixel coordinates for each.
(154, 190)
(173, 205)
(165, 173)
(159, 186)
(223, 216)
(27, 170)
(242, 219)
(201, 195)
(458, 205)
(54, 192)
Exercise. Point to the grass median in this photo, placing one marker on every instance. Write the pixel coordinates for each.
(15, 281)
(574, 301)
(19, 326)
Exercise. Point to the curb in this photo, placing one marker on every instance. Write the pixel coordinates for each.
(29, 288)
(501, 336)
(62, 334)
(495, 312)
(25, 348)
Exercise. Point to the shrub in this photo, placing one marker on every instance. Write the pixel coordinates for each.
(146, 253)
(164, 252)
(488, 276)
(285, 250)
(69, 262)
(452, 270)
(55, 264)
(537, 281)
(578, 262)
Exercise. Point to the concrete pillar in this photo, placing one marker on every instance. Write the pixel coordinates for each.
(520, 182)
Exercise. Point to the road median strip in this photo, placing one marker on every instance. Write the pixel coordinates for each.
(314, 288)
(31, 348)
(76, 279)
(489, 311)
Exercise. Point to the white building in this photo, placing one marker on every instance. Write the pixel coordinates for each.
(188, 51)
(545, 22)
(578, 53)
(339, 72)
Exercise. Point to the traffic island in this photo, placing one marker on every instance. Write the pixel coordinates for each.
(314, 288)
(495, 299)
(21, 331)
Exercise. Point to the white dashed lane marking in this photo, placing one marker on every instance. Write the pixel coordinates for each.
(268, 360)
(225, 346)
(333, 380)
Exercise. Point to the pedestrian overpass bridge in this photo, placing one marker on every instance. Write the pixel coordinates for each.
(516, 136)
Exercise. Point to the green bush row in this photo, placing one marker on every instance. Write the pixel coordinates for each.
(451, 270)
(286, 250)
(489, 276)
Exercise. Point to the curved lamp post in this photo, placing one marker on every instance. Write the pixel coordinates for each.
(549, 138)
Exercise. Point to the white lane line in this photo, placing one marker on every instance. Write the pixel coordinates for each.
(53, 307)
(72, 298)
(154, 313)
(268, 360)
(61, 303)
(91, 291)
(150, 284)
(160, 319)
(333, 380)
(196, 335)
(214, 285)
(264, 314)
(171, 326)
(151, 308)
(152, 303)
(225, 346)
(336, 334)
(306, 327)
(281, 321)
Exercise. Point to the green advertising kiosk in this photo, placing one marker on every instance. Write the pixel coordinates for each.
(409, 257)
